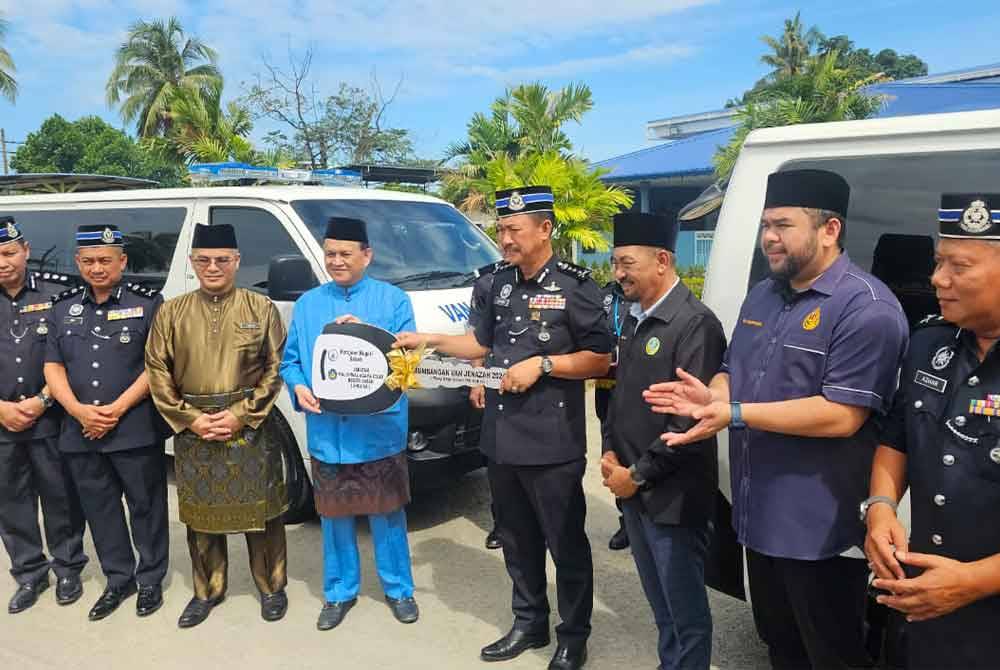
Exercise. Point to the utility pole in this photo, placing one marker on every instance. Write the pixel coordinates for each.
(3, 148)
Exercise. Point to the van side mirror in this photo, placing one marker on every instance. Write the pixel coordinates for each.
(288, 277)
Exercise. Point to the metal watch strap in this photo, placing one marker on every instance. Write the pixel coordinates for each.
(45, 398)
(636, 477)
(874, 500)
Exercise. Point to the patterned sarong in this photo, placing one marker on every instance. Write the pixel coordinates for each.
(353, 489)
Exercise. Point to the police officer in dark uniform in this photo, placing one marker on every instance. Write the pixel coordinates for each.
(477, 394)
(543, 322)
(31, 468)
(113, 435)
(943, 440)
(616, 307)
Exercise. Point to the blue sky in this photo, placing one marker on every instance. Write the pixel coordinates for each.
(643, 59)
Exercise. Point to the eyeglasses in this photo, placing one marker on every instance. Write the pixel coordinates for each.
(221, 262)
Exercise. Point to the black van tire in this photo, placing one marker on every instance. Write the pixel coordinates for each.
(300, 494)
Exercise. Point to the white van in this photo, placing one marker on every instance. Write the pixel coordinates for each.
(897, 169)
(421, 244)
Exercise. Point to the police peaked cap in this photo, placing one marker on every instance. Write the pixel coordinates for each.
(524, 200)
(346, 230)
(815, 189)
(217, 236)
(647, 230)
(973, 216)
(99, 235)
(9, 232)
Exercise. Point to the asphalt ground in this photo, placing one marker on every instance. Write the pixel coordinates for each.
(462, 588)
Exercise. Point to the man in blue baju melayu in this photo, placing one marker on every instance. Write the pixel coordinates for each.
(358, 461)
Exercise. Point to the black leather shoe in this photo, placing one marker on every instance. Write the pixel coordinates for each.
(619, 540)
(197, 611)
(68, 590)
(150, 599)
(273, 605)
(404, 609)
(109, 601)
(493, 540)
(27, 595)
(513, 644)
(333, 614)
(567, 658)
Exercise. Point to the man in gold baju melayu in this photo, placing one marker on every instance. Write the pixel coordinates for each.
(212, 359)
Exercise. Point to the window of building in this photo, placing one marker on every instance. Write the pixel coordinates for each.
(261, 237)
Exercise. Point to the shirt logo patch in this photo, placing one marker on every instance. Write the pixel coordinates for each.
(505, 291)
(76, 310)
(37, 307)
(752, 322)
(249, 325)
(652, 346)
(130, 313)
(928, 380)
(547, 302)
(942, 358)
(811, 322)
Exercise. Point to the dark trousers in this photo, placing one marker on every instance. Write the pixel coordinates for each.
(32, 471)
(671, 565)
(141, 475)
(210, 560)
(537, 507)
(810, 613)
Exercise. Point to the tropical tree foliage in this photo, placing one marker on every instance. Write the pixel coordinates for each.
(8, 85)
(156, 61)
(792, 49)
(823, 92)
(91, 146)
(584, 205)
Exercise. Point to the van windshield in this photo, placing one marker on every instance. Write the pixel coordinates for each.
(417, 245)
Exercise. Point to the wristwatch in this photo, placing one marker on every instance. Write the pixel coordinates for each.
(874, 500)
(546, 366)
(636, 477)
(46, 399)
(736, 415)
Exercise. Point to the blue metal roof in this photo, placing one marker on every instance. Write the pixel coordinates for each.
(693, 155)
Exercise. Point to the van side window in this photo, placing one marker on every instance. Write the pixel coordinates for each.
(892, 220)
(260, 236)
(150, 234)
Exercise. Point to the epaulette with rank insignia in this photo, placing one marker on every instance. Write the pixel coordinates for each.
(500, 266)
(55, 278)
(68, 293)
(932, 320)
(573, 270)
(488, 269)
(144, 291)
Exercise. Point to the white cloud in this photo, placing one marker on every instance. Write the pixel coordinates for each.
(645, 55)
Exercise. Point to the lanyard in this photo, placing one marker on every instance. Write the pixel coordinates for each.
(618, 323)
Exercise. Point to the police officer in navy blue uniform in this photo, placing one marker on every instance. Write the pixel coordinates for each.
(544, 323)
(477, 394)
(942, 440)
(112, 436)
(31, 468)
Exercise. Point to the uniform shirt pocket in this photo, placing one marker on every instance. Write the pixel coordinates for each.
(803, 362)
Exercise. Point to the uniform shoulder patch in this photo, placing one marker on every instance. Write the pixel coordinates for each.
(489, 269)
(144, 291)
(573, 270)
(499, 266)
(932, 320)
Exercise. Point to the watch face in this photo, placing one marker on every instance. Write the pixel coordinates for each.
(547, 365)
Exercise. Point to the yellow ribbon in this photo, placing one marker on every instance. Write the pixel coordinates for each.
(403, 365)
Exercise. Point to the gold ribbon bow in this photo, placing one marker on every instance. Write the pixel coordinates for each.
(403, 365)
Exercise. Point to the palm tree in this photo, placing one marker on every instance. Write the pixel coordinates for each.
(792, 49)
(8, 85)
(155, 61)
(823, 92)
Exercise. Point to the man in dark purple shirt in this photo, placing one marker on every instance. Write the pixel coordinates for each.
(813, 361)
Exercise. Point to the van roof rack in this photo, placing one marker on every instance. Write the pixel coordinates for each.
(64, 182)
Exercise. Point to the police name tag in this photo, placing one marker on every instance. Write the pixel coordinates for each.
(547, 302)
(130, 313)
(928, 380)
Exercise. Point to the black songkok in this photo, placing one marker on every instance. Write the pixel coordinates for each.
(217, 236)
(815, 189)
(345, 229)
(647, 230)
